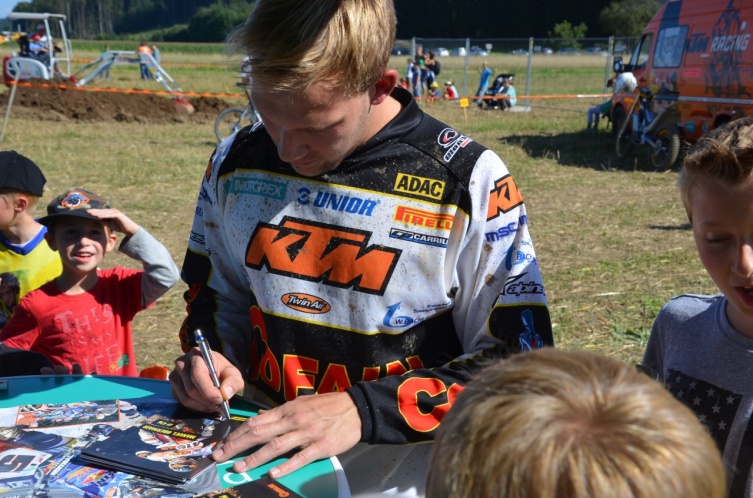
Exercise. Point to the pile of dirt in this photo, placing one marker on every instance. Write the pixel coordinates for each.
(65, 103)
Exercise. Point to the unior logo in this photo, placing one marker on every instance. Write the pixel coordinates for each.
(305, 303)
(320, 252)
(342, 203)
(425, 187)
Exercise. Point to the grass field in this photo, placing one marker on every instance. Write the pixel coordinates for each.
(611, 236)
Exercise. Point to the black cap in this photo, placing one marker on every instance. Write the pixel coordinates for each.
(74, 202)
(18, 172)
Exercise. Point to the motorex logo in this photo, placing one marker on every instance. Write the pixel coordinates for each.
(256, 186)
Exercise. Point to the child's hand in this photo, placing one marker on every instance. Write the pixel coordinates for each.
(118, 221)
(61, 370)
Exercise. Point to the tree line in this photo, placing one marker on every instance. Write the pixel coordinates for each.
(211, 20)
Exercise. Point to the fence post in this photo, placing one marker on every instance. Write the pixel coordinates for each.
(465, 69)
(528, 70)
(607, 71)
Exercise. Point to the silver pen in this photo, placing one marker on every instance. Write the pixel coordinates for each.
(206, 353)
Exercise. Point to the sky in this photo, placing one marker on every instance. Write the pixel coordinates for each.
(6, 6)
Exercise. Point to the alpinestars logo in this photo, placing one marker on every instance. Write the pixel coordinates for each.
(453, 141)
(320, 252)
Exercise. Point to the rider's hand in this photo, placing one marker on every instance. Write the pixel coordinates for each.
(315, 426)
(193, 386)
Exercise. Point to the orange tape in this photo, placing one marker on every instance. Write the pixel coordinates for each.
(242, 95)
(173, 64)
(127, 90)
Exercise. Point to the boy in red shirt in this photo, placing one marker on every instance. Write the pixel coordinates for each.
(84, 316)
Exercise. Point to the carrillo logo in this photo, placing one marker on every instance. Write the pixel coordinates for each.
(305, 303)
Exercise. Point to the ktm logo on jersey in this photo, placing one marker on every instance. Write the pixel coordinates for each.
(320, 252)
(208, 172)
(503, 197)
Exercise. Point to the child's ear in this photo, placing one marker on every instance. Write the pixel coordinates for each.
(21, 203)
(112, 239)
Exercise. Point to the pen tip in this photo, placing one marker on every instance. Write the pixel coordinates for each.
(197, 334)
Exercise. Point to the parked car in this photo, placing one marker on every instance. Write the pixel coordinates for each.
(479, 51)
(399, 51)
(442, 52)
(596, 51)
(568, 51)
(459, 51)
(519, 51)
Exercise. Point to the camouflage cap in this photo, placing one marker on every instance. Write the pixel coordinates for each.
(74, 202)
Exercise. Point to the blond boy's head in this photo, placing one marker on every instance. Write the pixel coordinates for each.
(293, 44)
(553, 423)
(723, 157)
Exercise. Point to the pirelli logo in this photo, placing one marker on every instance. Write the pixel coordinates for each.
(418, 185)
(421, 218)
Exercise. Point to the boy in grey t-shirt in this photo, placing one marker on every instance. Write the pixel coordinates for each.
(702, 346)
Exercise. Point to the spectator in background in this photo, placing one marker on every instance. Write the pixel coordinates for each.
(156, 54)
(483, 84)
(105, 75)
(552, 423)
(594, 113)
(450, 92)
(432, 68)
(145, 50)
(509, 91)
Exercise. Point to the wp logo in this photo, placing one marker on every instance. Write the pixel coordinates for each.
(320, 252)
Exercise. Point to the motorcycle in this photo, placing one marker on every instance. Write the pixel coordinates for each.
(641, 126)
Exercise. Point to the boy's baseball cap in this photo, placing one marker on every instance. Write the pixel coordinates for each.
(18, 172)
(74, 202)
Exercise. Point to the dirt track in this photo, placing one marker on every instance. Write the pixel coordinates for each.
(67, 104)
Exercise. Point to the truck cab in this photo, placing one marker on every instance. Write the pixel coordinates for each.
(697, 57)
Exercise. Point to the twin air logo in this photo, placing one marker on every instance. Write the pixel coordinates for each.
(256, 186)
(503, 197)
(452, 140)
(305, 303)
(319, 252)
(421, 218)
(344, 203)
(425, 187)
(421, 238)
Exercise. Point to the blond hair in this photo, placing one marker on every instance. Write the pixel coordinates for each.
(292, 44)
(554, 424)
(724, 156)
(11, 196)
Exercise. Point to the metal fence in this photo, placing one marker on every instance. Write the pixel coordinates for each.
(468, 47)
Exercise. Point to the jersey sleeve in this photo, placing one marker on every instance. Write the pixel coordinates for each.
(218, 297)
(500, 308)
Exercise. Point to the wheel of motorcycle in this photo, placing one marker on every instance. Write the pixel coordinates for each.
(624, 127)
(666, 148)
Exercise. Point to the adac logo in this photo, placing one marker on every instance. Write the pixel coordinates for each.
(305, 303)
(418, 185)
(320, 252)
(503, 197)
(453, 141)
